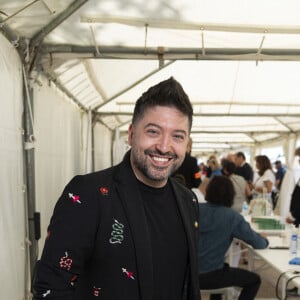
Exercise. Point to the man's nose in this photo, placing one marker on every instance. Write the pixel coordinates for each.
(164, 144)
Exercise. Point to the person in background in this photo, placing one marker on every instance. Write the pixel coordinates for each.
(203, 170)
(189, 171)
(113, 232)
(294, 213)
(279, 174)
(242, 191)
(218, 225)
(200, 192)
(208, 168)
(214, 166)
(264, 177)
(280, 171)
(243, 168)
(241, 188)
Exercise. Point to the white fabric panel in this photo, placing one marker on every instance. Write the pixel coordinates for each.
(120, 147)
(12, 217)
(59, 148)
(102, 147)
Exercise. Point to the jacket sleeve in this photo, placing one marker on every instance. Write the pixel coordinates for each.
(244, 232)
(69, 242)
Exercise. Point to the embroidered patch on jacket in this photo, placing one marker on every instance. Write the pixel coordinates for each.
(73, 280)
(104, 191)
(128, 273)
(46, 294)
(66, 262)
(96, 291)
(75, 198)
(117, 234)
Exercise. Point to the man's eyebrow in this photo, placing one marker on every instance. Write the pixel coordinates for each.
(152, 124)
(156, 125)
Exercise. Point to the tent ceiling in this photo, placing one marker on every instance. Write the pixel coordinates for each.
(239, 61)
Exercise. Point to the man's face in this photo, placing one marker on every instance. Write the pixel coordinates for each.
(238, 161)
(158, 144)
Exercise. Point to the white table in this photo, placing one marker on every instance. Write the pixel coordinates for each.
(278, 260)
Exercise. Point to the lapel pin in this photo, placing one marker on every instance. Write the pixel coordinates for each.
(104, 191)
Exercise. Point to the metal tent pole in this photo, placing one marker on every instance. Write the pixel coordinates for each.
(29, 161)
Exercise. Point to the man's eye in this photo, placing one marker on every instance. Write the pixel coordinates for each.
(152, 131)
(179, 137)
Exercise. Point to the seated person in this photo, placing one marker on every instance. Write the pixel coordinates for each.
(218, 225)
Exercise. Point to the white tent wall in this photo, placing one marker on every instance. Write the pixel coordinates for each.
(60, 147)
(12, 204)
(102, 147)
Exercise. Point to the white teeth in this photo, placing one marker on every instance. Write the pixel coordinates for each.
(160, 159)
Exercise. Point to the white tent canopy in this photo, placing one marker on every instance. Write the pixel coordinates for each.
(237, 60)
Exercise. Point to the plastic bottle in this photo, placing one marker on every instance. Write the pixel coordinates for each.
(294, 241)
(265, 201)
(269, 207)
(245, 208)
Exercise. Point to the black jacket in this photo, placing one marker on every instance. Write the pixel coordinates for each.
(98, 241)
(295, 204)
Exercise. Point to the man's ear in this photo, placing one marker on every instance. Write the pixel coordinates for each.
(130, 133)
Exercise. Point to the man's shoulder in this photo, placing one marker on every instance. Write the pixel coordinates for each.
(94, 177)
(238, 178)
(247, 166)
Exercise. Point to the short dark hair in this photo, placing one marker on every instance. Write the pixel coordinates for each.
(229, 166)
(241, 154)
(166, 93)
(220, 191)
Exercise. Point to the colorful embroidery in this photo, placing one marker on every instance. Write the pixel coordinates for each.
(75, 198)
(104, 191)
(66, 262)
(73, 279)
(96, 291)
(128, 273)
(117, 233)
(46, 294)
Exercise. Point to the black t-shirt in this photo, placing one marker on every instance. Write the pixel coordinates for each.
(168, 241)
(245, 171)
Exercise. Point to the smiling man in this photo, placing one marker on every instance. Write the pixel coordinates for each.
(158, 144)
(132, 232)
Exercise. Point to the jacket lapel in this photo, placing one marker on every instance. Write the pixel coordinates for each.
(188, 208)
(133, 207)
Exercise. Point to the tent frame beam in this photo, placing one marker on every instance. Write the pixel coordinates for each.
(68, 51)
